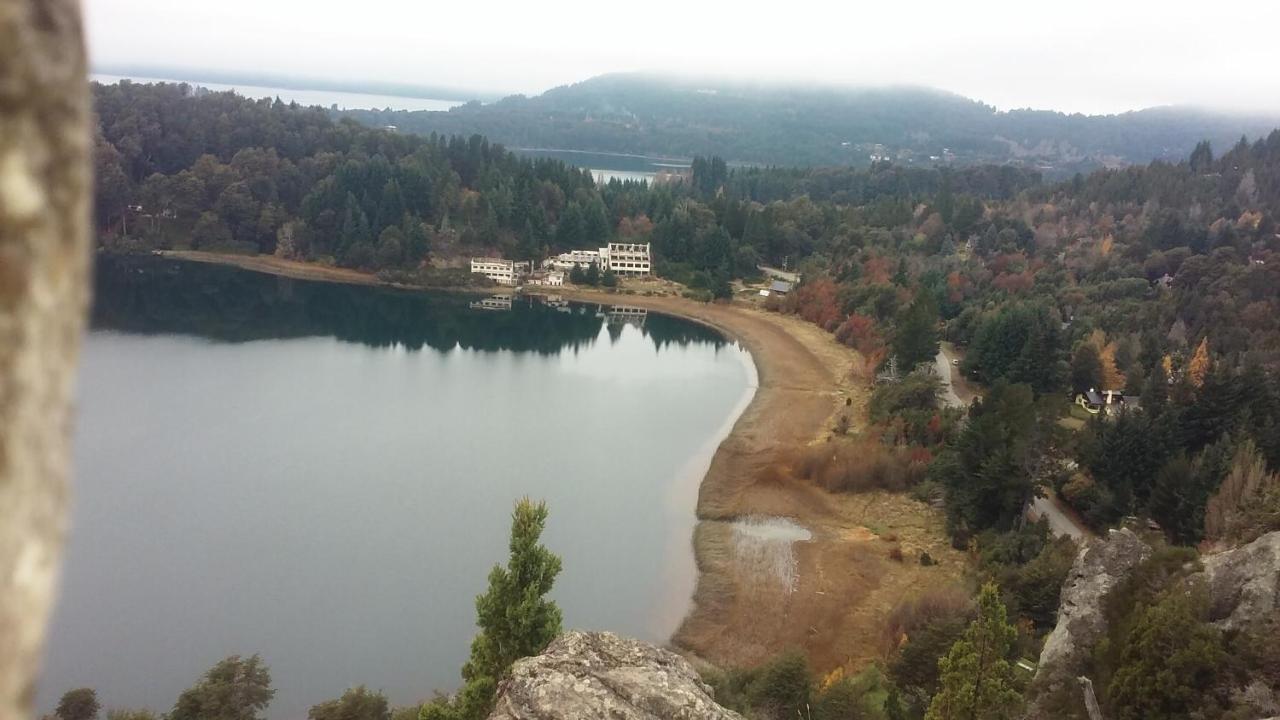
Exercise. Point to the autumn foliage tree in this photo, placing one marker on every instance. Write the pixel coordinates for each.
(861, 333)
(1247, 503)
(1112, 378)
(1198, 368)
(816, 301)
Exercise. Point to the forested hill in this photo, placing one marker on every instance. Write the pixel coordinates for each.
(823, 126)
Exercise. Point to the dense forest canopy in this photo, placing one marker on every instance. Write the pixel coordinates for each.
(819, 126)
(218, 171)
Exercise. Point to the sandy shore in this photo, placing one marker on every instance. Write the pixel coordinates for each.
(278, 266)
(842, 583)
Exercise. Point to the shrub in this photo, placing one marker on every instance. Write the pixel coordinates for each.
(782, 688)
(859, 466)
(932, 607)
(1169, 658)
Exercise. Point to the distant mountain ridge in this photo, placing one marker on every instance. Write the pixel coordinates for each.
(780, 125)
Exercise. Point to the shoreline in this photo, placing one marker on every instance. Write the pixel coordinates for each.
(844, 584)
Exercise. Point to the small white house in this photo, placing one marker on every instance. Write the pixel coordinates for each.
(547, 278)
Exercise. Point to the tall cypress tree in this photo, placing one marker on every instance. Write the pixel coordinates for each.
(977, 677)
(516, 619)
(916, 339)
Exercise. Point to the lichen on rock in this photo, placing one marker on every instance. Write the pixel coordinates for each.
(602, 675)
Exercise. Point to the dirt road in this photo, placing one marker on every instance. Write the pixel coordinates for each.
(1060, 521)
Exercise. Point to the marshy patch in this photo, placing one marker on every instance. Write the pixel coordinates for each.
(764, 546)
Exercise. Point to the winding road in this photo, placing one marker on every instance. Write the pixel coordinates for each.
(1060, 522)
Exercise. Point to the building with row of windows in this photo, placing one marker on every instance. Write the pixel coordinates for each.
(622, 258)
(503, 272)
(627, 259)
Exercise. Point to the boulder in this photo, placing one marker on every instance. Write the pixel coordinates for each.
(602, 675)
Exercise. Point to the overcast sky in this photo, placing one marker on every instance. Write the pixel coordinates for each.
(1078, 56)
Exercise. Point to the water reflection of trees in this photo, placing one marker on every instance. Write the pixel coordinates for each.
(149, 295)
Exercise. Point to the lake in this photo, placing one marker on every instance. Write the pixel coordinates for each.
(609, 166)
(324, 474)
(323, 98)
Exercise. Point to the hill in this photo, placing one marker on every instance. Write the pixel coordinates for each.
(814, 126)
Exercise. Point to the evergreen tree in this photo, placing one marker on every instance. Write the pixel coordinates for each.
(356, 703)
(355, 226)
(916, 339)
(1169, 659)
(986, 473)
(570, 232)
(1202, 157)
(390, 206)
(595, 224)
(234, 689)
(516, 619)
(78, 704)
(977, 677)
(1086, 368)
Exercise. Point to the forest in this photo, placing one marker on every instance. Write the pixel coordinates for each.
(1159, 281)
(757, 123)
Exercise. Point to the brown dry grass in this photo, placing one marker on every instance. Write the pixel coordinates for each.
(855, 465)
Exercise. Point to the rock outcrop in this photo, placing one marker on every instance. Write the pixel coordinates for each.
(1243, 585)
(602, 675)
(1099, 567)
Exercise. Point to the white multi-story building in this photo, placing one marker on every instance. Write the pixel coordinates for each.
(628, 258)
(498, 270)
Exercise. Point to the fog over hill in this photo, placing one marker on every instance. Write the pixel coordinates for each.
(815, 125)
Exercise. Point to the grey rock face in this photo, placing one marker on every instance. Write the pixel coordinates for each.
(1099, 566)
(602, 675)
(1244, 583)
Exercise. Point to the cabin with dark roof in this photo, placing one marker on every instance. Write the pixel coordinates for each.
(1107, 401)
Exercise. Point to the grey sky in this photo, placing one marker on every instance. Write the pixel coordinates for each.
(1080, 56)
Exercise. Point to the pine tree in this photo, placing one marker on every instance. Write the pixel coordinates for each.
(916, 340)
(1086, 368)
(977, 678)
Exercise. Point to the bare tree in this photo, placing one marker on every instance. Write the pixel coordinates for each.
(44, 257)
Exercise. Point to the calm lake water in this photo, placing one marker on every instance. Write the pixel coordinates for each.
(608, 166)
(323, 98)
(324, 475)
